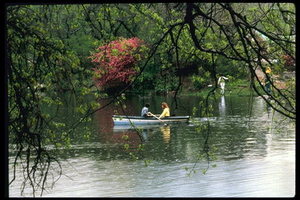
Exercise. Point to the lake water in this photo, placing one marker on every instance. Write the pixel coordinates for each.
(239, 151)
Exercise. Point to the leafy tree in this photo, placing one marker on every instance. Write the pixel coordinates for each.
(116, 62)
(40, 69)
(238, 34)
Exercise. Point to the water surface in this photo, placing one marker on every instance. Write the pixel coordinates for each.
(245, 150)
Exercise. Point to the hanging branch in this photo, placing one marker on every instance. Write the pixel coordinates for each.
(189, 18)
(242, 38)
(175, 43)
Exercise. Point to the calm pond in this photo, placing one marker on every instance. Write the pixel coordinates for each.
(250, 155)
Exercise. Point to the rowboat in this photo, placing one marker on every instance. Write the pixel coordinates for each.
(122, 127)
(139, 120)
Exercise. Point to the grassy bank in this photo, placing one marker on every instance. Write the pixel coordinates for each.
(236, 88)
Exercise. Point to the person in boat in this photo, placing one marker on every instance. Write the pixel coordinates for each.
(166, 110)
(145, 110)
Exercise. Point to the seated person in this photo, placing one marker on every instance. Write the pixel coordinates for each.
(145, 110)
(166, 110)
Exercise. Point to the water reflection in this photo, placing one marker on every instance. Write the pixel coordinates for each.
(145, 132)
(250, 156)
(235, 134)
(166, 131)
(222, 106)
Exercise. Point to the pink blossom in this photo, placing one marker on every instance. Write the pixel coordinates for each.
(116, 61)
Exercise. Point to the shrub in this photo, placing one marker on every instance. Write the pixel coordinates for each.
(116, 62)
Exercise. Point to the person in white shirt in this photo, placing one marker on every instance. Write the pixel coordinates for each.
(221, 82)
(145, 110)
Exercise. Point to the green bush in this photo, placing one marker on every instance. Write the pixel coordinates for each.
(201, 81)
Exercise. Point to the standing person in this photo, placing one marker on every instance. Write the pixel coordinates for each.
(221, 82)
(145, 110)
(267, 81)
(166, 110)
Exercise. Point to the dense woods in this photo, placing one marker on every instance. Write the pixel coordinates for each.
(104, 50)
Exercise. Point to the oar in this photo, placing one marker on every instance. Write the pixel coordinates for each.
(157, 118)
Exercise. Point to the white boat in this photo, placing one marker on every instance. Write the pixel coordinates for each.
(122, 127)
(139, 120)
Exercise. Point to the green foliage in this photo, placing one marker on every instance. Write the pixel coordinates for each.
(201, 81)
(43, 67)
(48, 44)
(49, 75)
(231, 68)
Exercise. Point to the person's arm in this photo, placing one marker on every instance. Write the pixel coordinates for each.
(163, 114)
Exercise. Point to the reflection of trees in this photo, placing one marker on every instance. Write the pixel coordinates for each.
(230, 135)
(235, 140)
(235, 136)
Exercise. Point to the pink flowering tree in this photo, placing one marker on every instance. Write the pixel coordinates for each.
(116, 62)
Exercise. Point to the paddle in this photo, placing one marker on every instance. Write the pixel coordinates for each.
(157, 118)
